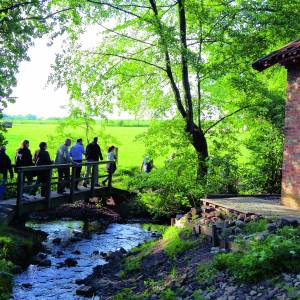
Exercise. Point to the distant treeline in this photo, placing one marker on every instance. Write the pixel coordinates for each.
(18, 119)
(125, 123)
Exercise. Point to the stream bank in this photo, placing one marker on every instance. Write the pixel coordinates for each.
(71, 251)
(183, 264)
(17, 247)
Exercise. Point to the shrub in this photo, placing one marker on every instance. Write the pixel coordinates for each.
(6, 271)
(169, 190)
(18, 246)
(126, 294)
(205, 272)
(168, 294)
(261, 259)
(256, 226)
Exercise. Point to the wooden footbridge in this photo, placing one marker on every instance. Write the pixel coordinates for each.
(24, 203)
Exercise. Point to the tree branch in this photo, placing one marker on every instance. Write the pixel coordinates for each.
(40, 18)
(132, 58)
(227, 116)
(115, 7)
(127, 36)
(12, 7)
(184, 65)
(168, 62)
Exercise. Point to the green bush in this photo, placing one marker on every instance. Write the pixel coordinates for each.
(169, 190)
(168, 294)
(256, 226)
(261, 259)
(126, 294)
(205, 272)
(6, 276)
(18, 246)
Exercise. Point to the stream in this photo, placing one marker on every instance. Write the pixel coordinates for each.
(57, 281)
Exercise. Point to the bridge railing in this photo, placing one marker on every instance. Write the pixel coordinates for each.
(50, 181)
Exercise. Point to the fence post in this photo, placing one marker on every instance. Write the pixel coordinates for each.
(109, 179)
(215, 238)
(93, 179)
(48, 189)
(72, 186)
(19, 192)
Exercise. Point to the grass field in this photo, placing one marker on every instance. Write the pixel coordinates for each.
(130, 151)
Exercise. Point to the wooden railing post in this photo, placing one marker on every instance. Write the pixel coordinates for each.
(93, 179)
(72, 186)
(109, 179)
(19, 192)
(215, 239)
(48, 189)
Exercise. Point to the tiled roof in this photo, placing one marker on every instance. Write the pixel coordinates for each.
(286, 55)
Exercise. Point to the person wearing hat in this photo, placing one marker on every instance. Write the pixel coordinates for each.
(5, 167)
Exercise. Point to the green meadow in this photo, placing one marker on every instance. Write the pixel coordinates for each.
(125, 137)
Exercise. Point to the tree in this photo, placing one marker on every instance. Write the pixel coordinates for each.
(20, 23)
(184, 47)
(155, 49)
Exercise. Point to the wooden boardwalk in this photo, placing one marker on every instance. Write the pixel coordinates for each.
(25, 204)
(31, 204)
(266, 207)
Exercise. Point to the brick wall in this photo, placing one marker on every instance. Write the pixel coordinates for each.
(291, 157)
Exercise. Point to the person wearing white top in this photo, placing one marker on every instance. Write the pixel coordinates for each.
(111, 166)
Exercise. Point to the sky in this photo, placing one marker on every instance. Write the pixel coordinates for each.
(33, 94)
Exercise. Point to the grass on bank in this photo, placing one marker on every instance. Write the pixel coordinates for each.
(16, 248)
(173, 242)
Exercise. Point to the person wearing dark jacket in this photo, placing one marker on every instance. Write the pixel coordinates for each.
(24, 159)
(93, 154)
(42, 158)
(5, 167)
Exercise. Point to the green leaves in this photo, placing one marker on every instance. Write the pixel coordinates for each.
(262, 259)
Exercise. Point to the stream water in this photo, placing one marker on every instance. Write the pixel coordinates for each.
(56, 282)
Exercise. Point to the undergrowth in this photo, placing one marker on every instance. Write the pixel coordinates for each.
(255, 226)
(177, 240)
(278, 253)
(16, 248)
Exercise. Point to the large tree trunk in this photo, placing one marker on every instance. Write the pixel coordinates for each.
(198, 139)
(200, 145)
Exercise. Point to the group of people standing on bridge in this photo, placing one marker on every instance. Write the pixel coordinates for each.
(64, 155)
